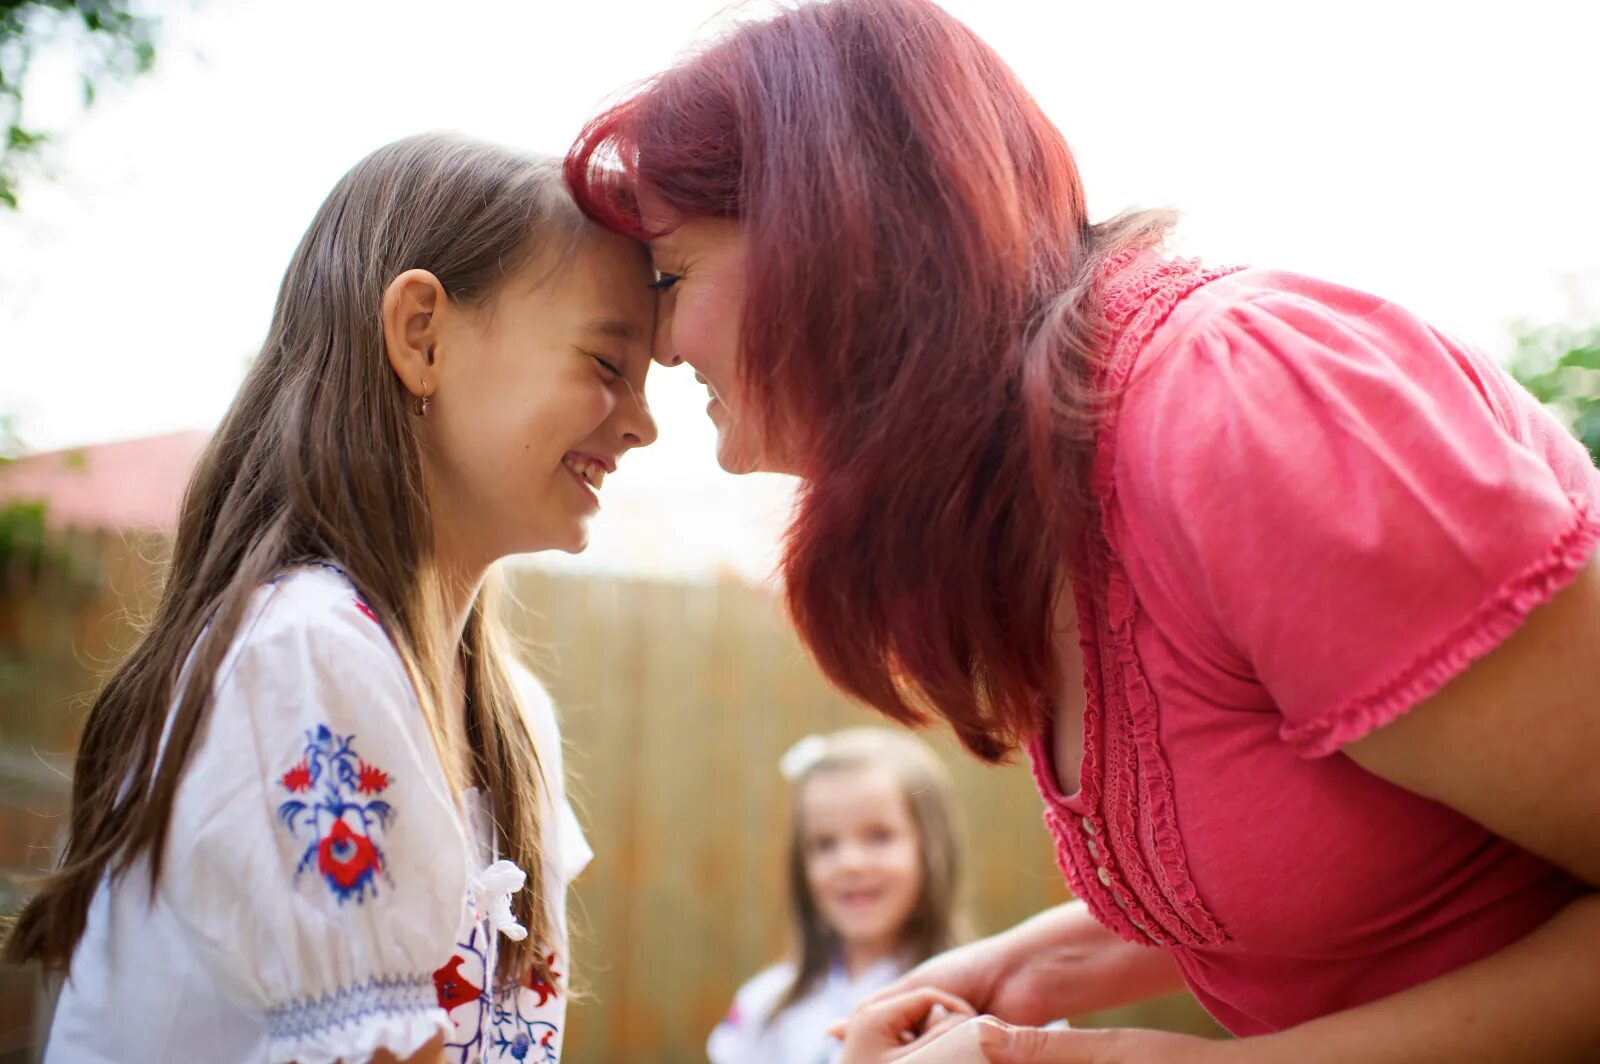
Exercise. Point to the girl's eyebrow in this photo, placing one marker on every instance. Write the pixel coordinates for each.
(615, 328)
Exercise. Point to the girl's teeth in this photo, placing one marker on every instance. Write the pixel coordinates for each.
(591, 472)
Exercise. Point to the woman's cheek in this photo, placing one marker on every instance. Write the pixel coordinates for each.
(704, 334)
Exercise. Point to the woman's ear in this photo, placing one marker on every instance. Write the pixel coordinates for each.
(411, 305)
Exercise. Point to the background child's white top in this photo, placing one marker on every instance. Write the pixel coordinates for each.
(799, 1035)
(322, 896)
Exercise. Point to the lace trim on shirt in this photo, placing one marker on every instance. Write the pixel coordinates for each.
(1126, 783)
(350, 1005)
(1488, 626)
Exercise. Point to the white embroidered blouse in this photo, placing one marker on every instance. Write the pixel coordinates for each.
(323, 896)
(751, 1034)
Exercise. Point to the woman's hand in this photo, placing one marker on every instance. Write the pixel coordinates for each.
(986, 1040)
(893, 1028)
(1062, 962)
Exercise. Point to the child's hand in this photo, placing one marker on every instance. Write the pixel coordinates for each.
(893, 1028)
(986, 1040)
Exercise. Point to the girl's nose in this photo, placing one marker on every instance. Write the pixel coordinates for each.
(635, 422)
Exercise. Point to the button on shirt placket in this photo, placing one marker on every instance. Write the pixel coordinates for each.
(1104, 875)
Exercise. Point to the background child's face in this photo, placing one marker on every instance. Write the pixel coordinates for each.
(862, 854)
(539, 394)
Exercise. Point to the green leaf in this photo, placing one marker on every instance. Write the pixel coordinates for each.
(23, 140)
(1581, 358)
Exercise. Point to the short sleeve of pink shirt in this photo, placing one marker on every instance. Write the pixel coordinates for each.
(1328, 497)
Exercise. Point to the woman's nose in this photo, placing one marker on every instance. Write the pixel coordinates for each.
(661, 342)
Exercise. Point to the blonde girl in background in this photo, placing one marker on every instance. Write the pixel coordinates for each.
(317, 816)
(874, 880)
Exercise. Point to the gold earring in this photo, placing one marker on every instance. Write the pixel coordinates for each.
(423, 404)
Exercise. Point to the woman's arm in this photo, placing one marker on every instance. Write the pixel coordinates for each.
(1062, 962)
(1536, 1000)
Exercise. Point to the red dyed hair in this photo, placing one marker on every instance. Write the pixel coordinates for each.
(916, 318)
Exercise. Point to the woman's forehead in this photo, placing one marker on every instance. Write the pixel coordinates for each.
(656, 214)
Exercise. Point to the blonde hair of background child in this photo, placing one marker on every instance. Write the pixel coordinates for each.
(316, 459)
(937, 921)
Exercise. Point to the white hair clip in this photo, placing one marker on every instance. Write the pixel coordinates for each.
(802, 757)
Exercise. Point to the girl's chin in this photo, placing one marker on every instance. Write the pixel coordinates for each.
(573, 539)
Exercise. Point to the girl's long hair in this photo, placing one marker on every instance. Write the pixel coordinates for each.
(318, 459)
(938, 921)
(919, 319)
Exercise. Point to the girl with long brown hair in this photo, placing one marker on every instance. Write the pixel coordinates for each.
(318, 814)
(874, 869)
(1289, 598)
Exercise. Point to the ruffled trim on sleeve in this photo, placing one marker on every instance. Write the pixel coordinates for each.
(352, 1023)
(1501, 614)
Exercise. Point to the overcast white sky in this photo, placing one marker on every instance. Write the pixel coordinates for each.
(1443, 154)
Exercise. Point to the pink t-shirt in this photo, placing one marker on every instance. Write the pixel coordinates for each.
(1316, 511)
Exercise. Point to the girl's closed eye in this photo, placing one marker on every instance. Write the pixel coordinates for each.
(611, 370)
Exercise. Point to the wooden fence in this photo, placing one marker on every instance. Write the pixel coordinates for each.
(677, 701)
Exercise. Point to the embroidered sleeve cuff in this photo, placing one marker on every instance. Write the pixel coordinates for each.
(399, 1015)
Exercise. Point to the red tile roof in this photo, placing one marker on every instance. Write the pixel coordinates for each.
(121, 485)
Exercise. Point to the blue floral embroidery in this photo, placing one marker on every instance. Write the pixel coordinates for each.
(518, 1036)
(340, 814)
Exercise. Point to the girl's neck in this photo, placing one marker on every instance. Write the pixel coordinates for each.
(859, 956)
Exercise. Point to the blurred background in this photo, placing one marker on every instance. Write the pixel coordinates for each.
(161, 159)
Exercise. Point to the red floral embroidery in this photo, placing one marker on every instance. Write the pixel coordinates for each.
(346, 858)
(370, 779)
(539, 985)
(298, 779)
(367, 610)
(339, 820)
(453, 988)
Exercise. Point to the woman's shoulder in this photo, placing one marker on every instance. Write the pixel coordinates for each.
(1242, 358)
(1311, 485)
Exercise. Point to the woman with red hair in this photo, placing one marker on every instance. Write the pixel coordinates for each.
(1289, 598)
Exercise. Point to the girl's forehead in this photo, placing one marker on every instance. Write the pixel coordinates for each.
(852, 788)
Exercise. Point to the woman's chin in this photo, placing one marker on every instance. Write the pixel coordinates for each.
(732, 454)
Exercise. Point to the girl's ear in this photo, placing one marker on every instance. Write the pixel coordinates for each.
(411, 305)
